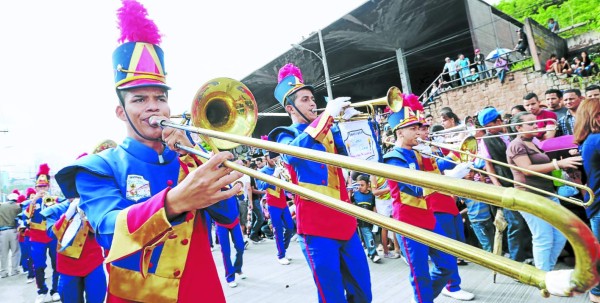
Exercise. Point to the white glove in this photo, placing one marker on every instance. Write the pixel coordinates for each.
(72, 209)
(459, 171)
(277, 172)
(350, 112)
(558, 282)
(424, 149)
(335, 106)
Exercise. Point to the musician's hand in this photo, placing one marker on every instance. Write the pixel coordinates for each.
(459, 171)
(72, 209)
(277, 172)
(335, 106)
(171, 136)
(570, 162)
(203, 187)
(350, 112)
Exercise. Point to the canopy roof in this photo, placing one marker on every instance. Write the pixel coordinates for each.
(361, 46)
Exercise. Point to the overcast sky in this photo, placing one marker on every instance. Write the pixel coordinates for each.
(59, 99)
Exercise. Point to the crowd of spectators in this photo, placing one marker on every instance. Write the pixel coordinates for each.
(580, 65)
(549, 139)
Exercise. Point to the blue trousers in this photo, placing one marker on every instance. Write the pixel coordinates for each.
(547, 241)
(452, 227)
(340, 269)
(38, 254)
(209, 223)
(72, 288)
(484, 231)
(427, 284)
(26, 261)
(238, 242)
(517, 235)
(283, 228)
(369, 240)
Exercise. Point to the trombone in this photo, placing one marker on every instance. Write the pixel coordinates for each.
(393, 99)
(463, 128)
(585, 246)
(467, 149)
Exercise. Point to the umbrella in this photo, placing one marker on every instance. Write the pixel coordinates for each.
(493, 55)
(501, 225)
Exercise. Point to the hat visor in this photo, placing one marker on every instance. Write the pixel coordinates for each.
(409, 123)
(143, 83)
(296, 89)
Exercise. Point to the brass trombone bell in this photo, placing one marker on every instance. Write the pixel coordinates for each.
(393, 99)
(225, 105)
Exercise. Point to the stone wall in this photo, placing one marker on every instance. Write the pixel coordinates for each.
(468, 100)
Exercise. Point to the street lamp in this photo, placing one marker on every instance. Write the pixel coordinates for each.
(323, 61)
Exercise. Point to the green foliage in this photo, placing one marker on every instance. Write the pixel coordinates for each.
(567, 13)
(521, 65)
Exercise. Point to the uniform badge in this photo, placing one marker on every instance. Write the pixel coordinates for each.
(137, 188)
(412, 166)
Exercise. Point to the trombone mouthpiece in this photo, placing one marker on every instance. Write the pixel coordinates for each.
(155, 121)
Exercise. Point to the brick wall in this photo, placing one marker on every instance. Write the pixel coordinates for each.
(467, 100)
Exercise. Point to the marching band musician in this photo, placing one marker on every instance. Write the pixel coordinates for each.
(411, 206)
(41, 243)
(281, 218)
(448, 220)
(79, 259)
(79, 262)
(23, 228)
(141, 199)
(328, 238)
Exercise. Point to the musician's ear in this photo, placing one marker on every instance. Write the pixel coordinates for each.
(289, 108)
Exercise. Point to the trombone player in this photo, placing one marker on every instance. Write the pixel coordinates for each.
(281, 218)
(141, 198)
(328, 238)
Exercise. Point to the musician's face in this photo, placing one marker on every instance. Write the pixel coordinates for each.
(41, 188)
(141, 104)
(424, 132)
(408, 136)
(305, 103)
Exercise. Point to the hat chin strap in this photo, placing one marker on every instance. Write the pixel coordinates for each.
(131, 124)
(299, 112)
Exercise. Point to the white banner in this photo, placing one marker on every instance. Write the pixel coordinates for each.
(360, 142)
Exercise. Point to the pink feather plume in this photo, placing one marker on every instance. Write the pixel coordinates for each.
(135, 25)
(16, 191)
(44, 169)
(289, 69)
(412, 101)
(30, 191)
